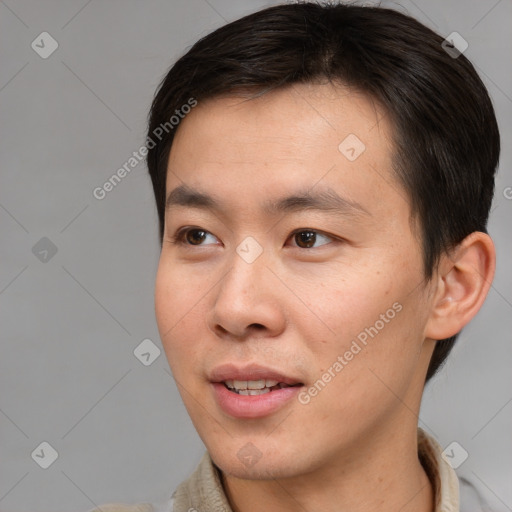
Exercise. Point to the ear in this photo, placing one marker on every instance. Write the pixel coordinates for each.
(463, 279)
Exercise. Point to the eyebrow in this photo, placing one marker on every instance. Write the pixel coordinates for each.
(325, 200)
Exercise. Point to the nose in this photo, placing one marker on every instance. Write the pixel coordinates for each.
(247, 302)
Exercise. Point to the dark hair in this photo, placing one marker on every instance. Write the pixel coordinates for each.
(446, 139)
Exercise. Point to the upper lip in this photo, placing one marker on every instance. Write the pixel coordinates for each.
(231, 371)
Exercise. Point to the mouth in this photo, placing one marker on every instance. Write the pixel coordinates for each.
(256, 387)
(251, 377)
(252, 391)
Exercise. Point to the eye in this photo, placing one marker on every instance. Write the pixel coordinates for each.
(191, 236)
(306, 238)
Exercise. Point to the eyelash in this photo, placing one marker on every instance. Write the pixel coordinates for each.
(179, 237)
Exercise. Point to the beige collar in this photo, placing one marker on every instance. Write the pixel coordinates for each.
(442, 476)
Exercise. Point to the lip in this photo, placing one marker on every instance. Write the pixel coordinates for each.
(249, 372)
(251, 406)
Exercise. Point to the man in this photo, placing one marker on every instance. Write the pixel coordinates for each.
(323, 177)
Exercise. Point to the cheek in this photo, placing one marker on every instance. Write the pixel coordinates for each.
(354, 301)
(374, 325)
(165, 300)
(178, 313)
(176, 292)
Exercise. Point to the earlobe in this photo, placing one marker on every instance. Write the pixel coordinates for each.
(464, 278)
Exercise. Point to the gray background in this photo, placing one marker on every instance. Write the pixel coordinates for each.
(69, 325)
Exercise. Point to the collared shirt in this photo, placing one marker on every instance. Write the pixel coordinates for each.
(203, 490)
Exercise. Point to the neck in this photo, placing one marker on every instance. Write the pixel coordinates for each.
(393, 480)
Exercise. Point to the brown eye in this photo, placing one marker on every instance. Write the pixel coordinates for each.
(305, 239)
(195, 236)
(192, 237)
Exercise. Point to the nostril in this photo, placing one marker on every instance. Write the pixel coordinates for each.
(222, 330)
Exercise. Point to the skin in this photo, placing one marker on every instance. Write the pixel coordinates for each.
(296, 308)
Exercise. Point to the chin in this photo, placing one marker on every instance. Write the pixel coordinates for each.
(256, 460)
(261, 470)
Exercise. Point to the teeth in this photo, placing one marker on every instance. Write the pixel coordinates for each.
(240, 384)
(255, 384)
(252, 392)
(254, 387)
(251, 384)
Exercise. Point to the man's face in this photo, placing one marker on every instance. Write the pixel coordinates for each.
(330, 299)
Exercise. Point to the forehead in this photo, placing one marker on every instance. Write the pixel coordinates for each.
(311, 114)
(299, 137)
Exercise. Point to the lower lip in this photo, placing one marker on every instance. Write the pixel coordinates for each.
(252, 406)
